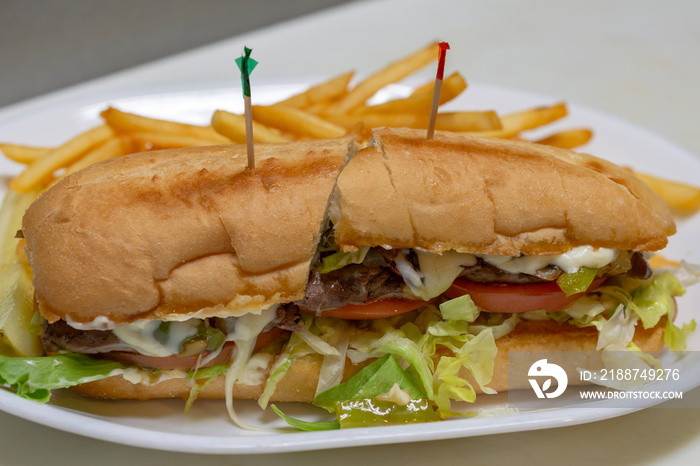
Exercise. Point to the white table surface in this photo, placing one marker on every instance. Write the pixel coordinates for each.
(638, 60)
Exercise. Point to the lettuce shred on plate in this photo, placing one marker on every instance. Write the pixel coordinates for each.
(422, 355)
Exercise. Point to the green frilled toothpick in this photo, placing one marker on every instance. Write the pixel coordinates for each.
(247, 65)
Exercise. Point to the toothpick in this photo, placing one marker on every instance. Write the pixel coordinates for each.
(247, 65)
(444, 47)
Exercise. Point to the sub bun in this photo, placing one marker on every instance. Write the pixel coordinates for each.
(182, 233)
(491, 196)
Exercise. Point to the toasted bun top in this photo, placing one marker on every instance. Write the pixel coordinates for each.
(491, 196)
(182, 233)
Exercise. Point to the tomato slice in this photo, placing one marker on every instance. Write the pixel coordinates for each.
(499, 297)
(190, 362)
(378, 309)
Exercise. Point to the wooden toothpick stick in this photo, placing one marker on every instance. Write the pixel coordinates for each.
(444, 47)
(246, 65)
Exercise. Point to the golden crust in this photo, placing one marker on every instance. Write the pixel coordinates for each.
(299, 384)
(172, 233)
(491, 196)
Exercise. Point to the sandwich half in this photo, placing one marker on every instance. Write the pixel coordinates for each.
(550, 246)
(163, 262)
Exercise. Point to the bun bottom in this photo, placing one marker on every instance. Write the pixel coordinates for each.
(299, 384)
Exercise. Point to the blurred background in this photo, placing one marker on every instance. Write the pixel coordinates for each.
(47, 45)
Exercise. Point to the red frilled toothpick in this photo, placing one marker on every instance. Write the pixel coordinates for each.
(444, 47)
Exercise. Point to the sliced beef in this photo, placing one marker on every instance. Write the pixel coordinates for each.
(487, 273)
(353, 284)
(639, 268)
(288, 318)
(628, 264)
(60, 336)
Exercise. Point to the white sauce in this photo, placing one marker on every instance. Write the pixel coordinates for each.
(396, 395)
(437, 271)
(569, 262)
(139, 335)
(248, 327)
(255, 371)
(138, 376)
(100, 323)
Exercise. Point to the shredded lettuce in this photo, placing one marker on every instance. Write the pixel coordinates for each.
(332, 367)
(34, 378)
(499, 324)
(278, 371)
(314, 341)
(477, 356)
(646, 357)
(307, 426)
(655, 300)
(584, 312)
(617, 332)
(396, 343)
(203, 378)
(340, 259)
(375, 379)
(462, 308)
(676, 337)
(688, 274)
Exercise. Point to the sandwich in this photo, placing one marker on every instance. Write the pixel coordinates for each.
(406, 271)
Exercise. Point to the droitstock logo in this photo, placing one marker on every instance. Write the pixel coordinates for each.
(541, 369)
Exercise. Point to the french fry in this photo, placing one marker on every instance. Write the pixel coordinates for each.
(467, 121)
(296, 121)
(60, 157)
(156, 141)
(681, 198)
(233, 127)
(113, 147)
(514, 123)
(319, 108)
(326, 91)
(452, 121)
(568, 139)
(23, 154)
(657, 261)
(123, 122)
(392, 73)
(421, 100)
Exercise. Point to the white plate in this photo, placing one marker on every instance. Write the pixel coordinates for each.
(206, 428)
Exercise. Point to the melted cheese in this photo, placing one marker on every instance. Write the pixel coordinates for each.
(437, 271)
(140, 336)
(255, 371)
(99, 323)
(569, 262)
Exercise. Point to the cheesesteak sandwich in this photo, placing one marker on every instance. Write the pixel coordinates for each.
(416, 267)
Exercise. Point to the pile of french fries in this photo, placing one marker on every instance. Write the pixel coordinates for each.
(330, 109)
